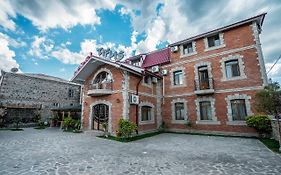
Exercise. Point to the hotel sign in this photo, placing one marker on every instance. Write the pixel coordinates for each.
(110, 54)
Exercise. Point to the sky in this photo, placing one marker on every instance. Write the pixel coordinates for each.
(54, 36)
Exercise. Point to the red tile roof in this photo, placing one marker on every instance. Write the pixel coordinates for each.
(157, 57)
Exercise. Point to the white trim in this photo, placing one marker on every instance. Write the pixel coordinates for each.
(109, 114)
(102, 70)
(252, 88)
(146, 103)
(259, 53)
(222, 44)
(178, 100)
(125, 95)
(240, 64)
(179, 63)
(229, 110)
(172, 77)
(213, 110)
(193, 43)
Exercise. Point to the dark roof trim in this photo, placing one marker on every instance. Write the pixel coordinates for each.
(259, 18)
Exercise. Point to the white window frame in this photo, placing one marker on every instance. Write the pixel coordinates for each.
(183, 77)
(196, 73)
(102, 70)
(173, 110)
(228, 99)
(214, 120)
(240, 64)
(222, 43)
(188, 54)
(152, 121)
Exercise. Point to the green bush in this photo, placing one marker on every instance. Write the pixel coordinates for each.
(126, 128)
(68, 123)
(261, 123)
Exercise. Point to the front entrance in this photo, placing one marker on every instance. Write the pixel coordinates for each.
(100, 116)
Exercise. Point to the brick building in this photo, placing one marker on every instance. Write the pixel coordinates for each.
(207, 81)
(25, 94)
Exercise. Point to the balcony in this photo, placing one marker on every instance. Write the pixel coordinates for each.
(100, 89)
(205, 86)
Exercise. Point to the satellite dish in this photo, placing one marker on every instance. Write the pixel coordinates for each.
(14, 70)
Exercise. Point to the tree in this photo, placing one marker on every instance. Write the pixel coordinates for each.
(268, 101)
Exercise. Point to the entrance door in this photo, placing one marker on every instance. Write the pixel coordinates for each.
(100, 116)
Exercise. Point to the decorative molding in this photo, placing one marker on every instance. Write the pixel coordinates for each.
(241, 67)
(260, 54)
(102, 70)
(227, 52)
(229, 110)
(158, 103)
(213, 110)
(196, 73)
(145, 84)
(172, 77)
(178, 100)
(222, 44)
(253, 88)
(188, 54)
(109, 114)
(146, 103)
(125, 95)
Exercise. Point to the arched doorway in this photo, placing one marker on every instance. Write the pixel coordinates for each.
(100, 115)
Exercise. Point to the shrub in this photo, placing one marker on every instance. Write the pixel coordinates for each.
(188, 124)
(68, 123)
(126, 128)
(261, 123)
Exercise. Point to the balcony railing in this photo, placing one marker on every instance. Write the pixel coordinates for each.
(100, 89)
(205, 86)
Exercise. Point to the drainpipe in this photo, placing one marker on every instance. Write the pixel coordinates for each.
(137, 107)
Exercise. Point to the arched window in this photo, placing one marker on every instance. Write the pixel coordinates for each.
(103, 77)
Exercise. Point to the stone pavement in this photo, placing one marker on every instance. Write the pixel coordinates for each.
(51, 151)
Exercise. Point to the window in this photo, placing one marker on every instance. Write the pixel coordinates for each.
(214, 41)
(187, 48)
(232, 69)
(205, 110)
(178, 77)
(146, 113)
(147, 80)
(102, 77)
(238, 108)
(70, 93)
(179, 111)
(56, 104)
(136, 62)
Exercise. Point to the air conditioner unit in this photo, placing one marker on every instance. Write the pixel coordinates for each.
(155, 69)
(154, 80)
(164, 72)
(174, 48)
(134, 99)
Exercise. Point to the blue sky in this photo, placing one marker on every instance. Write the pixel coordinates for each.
(53, 37)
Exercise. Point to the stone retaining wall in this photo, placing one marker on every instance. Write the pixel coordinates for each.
(274, 129)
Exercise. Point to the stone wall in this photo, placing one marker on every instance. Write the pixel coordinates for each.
(274, 129)
(37, 91)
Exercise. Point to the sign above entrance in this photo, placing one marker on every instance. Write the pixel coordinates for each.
(110, 55)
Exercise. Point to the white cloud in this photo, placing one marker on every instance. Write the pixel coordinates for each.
(62, 69)
(6, 13)
(67, 57)
(41, 47)
(60, 14)
(7, 60)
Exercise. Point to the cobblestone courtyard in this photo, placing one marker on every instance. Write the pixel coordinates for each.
(51, 151)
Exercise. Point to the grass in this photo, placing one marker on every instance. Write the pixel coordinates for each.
(40, 127)
(126, 140)
(16, 129)
(271, 144)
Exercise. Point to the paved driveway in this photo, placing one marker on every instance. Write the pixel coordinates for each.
(51, 151)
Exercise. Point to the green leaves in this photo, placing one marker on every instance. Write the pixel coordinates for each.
(261, 123)
(126, 128)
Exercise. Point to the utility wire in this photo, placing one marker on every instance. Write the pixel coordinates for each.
(273, 65)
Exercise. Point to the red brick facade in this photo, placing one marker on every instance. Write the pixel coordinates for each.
(240, 42)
